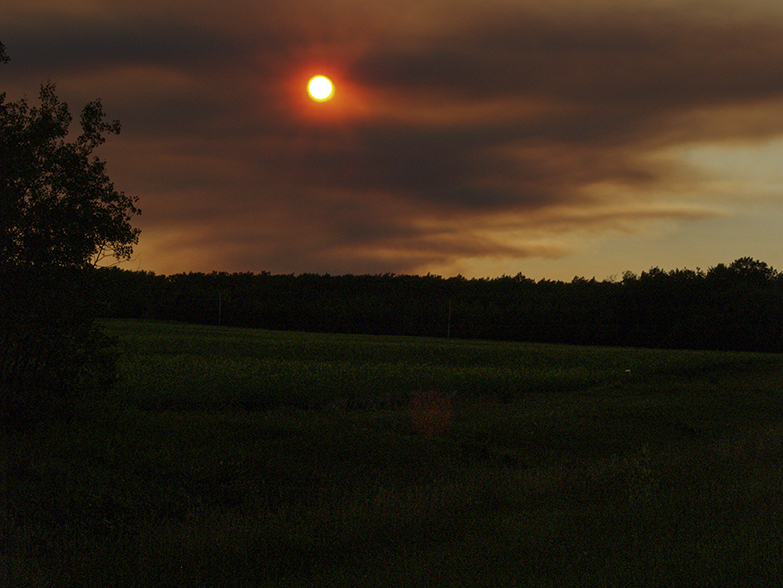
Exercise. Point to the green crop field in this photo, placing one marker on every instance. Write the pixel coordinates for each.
(239, 457)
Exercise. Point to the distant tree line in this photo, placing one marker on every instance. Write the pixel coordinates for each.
(734, 307)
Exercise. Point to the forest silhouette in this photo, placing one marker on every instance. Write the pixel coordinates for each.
(735, 307)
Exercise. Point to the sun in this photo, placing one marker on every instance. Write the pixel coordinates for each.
(320, 88)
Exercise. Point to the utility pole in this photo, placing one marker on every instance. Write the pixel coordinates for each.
(448, 327)
(220, 308)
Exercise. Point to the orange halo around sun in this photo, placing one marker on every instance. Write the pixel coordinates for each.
(320, 88)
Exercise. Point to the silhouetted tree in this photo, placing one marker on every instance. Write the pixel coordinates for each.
(59, 217)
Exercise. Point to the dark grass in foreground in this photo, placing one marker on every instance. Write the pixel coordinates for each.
(236, 457)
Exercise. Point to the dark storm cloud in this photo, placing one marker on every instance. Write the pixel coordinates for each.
(615, 88)
(68, 43)
(453, 127)
(603, 93)
(654, 59)
(621, 84)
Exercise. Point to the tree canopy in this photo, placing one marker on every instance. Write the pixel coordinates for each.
(58, 206)
(731, 307)
(60, 216)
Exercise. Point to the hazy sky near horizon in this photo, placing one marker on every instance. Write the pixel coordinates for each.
(572, 137)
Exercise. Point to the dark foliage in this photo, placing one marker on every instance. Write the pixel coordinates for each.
(59, 216)
(58, 207)
(51, 352)
(734, 307)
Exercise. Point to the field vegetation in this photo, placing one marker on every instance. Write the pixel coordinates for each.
(243, 457)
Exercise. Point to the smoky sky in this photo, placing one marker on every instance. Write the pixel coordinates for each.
(457, 130)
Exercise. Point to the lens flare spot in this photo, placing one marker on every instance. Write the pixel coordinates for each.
(430, 412)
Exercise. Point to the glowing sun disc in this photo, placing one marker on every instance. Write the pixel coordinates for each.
(320, 88)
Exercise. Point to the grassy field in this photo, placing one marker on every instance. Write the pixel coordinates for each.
(234, 457)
